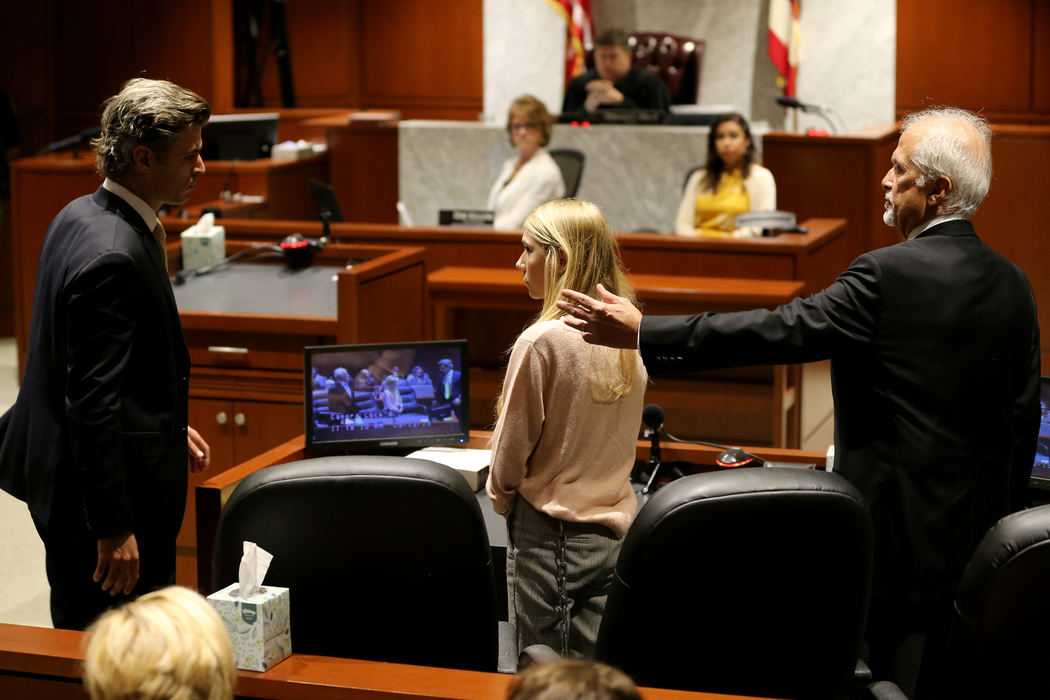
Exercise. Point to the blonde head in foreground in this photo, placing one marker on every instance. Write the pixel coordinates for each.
(166, 644)
(574, 679)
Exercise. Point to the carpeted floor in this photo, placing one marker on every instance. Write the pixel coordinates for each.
(23, 583)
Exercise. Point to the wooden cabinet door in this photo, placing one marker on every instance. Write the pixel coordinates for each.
(213, 419)
(260, 425)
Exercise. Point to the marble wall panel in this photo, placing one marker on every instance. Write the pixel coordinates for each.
(848, 53)
(524, 44)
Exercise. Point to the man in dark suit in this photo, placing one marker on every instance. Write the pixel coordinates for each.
(341, 393)
(935, 371)
(97, 441)
(448, 398)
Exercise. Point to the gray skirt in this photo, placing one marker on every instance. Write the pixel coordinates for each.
(558, 577)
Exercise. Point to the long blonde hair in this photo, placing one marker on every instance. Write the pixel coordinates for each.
(576, 233)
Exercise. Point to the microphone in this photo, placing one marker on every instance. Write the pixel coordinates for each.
(299, 250)
(823, 110)
(653, 416)
(791, 102)
(785, 101)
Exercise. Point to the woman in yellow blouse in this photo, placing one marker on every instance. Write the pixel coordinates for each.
(729, 184)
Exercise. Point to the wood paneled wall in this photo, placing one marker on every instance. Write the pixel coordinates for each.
(59, 59)
(985, 56)
(420, 57)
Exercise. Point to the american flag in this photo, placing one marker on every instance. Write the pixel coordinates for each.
(579, 33)
(785, 42)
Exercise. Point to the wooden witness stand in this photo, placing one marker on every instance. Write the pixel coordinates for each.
(758, 406)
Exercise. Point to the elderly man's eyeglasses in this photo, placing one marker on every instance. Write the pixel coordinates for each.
(523, 126)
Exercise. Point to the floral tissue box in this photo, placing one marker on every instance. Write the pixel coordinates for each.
(258, 625)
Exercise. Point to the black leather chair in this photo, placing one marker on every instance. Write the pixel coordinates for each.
(999, 640)
(570, 162)
(676, 59)
(386, 558)
(745, 582)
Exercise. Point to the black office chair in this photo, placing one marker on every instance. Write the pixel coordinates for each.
(386, 558)
(570, 162)
(745, 582)
(999, 640)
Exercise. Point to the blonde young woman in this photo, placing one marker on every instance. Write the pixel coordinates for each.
(564, 442)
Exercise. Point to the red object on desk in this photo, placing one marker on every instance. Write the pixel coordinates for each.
(816, 132)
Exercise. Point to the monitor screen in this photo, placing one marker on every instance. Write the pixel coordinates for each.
(362, 398)
(239, 136)
(1041, 469)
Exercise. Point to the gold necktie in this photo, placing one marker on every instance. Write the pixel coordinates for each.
(162, 240)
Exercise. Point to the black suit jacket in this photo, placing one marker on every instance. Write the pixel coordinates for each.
(98, 431)
(934, 347)
(641, 90)
(455, 391)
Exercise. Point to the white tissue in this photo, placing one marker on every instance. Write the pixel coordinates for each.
(254, 564)
(206, 222)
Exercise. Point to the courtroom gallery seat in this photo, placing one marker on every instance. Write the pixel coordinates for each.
(999, 640)
(748, 582)
(386, 559)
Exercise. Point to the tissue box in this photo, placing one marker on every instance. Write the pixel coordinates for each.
(202, 248)
(291, 150)
(258, 625)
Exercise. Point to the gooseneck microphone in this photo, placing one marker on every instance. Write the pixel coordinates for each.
(792, 103)
(653, 417)
(823, 110)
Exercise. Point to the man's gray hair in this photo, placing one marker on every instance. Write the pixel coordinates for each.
(148, 113)
(942, 152)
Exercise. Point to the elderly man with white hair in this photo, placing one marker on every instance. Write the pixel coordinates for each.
(934, 346)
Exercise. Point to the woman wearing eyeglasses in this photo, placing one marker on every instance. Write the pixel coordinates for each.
(531, 177)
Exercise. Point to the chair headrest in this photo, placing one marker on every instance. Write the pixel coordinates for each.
(351, 467)
(1015, 548)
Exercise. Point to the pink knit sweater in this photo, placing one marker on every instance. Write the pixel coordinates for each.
(566, 454)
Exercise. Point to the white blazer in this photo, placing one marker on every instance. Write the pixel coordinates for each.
(538, 181)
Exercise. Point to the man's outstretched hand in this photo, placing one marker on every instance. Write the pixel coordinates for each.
(610, 320)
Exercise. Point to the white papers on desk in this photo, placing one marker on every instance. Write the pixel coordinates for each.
(472, 464)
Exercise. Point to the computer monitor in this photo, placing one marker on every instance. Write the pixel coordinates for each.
(386, 396)
(1040, 477)
(239, 136)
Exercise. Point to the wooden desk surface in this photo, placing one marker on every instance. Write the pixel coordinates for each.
(721, 290)
(213, 493)
(816, 257)
(37, 662)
